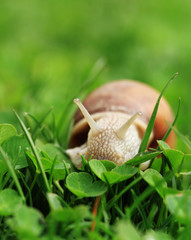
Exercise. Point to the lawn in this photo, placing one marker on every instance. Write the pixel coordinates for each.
(54, 51)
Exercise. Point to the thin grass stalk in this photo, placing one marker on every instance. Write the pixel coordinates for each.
(5, 180)
(12, 172)
(182, 137)
(140, 209)
(39, 123)
(144, 195)
(175, 119)
(150, 126)
(29, 138)
(116, 198)
(28, 189)
(51, 171)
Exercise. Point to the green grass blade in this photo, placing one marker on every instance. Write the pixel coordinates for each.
(27, 187)
(65, 122)
(39, 123)
(150, 126)
(175, 119)
(116, 198)
(140, 209)
(98, 67)
(143, 157)
(182, 137)
(4, 180)
(12, 172)
(29, 138)
(148, 191)
(51, 171)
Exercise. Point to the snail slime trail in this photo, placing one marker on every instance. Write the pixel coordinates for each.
(111, 122)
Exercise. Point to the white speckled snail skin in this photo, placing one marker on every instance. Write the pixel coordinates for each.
(120, 112)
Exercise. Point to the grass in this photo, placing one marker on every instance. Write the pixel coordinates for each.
(47, 48)
(57, 201)
(53, 53)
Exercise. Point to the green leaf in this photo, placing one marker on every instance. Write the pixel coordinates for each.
(68, 215)
(156, 180)
(26, 222)
(185, 179)
(162, 145)
(126, 231)
(15, 149)
(185, 233)
(97, 167)
(125, 170)
(175, 158)
(185, 139)
(111, 177)
(156, 236)
(7, 131)
(120, 173)
(52, 151)
(143, 157)
(117, 174)
(180, 206)
(53, 201)
(9, 202)
(186, 164)
(3, 166)
(109, 165)
(156, 164)
(82, 185)
(59, 171)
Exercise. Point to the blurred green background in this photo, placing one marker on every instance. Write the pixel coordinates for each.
(48, 48)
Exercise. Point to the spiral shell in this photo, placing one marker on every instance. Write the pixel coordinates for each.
(114, 103)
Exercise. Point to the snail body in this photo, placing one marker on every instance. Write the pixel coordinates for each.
(112, 120)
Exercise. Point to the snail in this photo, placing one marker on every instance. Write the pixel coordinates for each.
(111, 122)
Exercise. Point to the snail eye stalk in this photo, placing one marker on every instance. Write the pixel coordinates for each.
(121, 132)
(93, 125)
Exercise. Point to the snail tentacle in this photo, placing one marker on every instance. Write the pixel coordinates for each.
(121, 132)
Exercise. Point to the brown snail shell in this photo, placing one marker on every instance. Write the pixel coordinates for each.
(125, 97)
